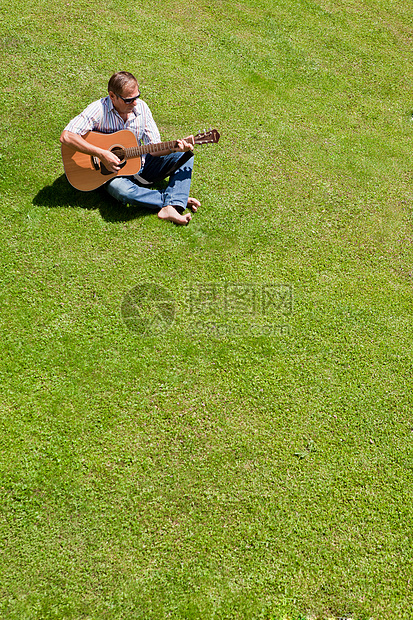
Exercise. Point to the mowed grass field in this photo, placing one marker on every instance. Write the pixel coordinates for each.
(250, 459)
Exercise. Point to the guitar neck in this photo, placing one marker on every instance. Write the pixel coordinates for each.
(138, 151)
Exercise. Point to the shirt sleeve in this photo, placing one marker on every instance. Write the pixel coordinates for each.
(151, 133)
(88, 120)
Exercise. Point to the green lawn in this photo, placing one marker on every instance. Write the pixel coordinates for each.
(251, 458)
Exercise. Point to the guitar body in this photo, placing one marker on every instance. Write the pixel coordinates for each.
(86, 173)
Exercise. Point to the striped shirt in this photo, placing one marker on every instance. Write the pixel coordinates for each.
(102, 116)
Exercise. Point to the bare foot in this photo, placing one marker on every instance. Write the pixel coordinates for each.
(193, 204)
(171, 214)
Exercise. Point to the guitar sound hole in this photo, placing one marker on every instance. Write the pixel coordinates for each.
(119, 151)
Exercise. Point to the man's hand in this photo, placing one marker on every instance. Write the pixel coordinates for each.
(183, 146)
(109, 160)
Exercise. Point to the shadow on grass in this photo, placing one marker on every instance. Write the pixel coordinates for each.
(62, 194)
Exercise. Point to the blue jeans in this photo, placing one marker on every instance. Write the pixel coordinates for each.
(128, 191)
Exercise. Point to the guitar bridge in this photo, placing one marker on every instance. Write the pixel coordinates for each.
(95, 162)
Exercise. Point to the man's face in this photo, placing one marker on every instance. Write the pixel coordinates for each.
(131, 93)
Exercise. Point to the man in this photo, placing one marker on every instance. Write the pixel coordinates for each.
(123, 109)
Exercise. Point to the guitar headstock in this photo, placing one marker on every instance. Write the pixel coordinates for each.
(208, 137)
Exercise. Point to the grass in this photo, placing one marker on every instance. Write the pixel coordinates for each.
(202, 474)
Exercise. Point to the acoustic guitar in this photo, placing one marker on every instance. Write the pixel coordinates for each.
(86, 172)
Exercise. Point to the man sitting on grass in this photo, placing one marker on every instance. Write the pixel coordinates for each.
(123, 109)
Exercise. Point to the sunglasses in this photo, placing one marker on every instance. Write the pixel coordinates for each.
(129, 99)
